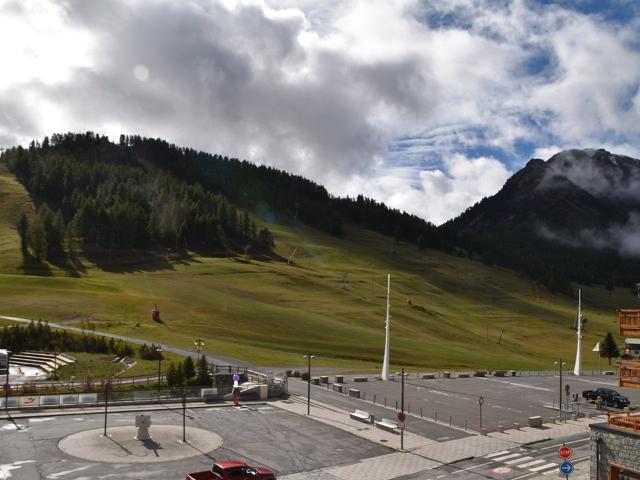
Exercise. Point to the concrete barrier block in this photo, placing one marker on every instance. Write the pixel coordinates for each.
(338, 387)
(339, 378)
(354, 393)
(480, 373)
(516, 426)
(463, 375)
(360, 379)
(70, 399)
(324, 379)
(88, 398)
(428, 376)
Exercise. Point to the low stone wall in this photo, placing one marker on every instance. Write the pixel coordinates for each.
(616, 447)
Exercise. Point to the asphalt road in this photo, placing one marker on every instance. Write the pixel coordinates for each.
(440, 433)
(519, 462)
(264, 435)
(507, 400)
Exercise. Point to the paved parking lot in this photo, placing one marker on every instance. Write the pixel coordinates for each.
(507, 400)
(261, 435)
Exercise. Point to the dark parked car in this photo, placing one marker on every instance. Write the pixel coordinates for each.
(609, 397)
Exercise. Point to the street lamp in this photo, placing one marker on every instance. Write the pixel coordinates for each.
(7, 386)
(159, 350)
(309, 357)
(560, 363)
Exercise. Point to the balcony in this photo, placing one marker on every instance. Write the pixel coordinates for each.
(625, 421)
(629, 373)
(629, 321)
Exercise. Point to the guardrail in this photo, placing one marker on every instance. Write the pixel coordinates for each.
(626, 421)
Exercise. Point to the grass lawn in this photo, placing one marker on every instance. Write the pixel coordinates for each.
(100, 366)
(331, 302)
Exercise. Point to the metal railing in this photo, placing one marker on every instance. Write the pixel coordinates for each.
(626, 421)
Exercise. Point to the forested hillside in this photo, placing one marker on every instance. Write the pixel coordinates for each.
(143, 192)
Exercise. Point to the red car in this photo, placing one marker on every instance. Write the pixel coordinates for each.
(233, 470)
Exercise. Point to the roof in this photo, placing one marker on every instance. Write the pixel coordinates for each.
(632, 341)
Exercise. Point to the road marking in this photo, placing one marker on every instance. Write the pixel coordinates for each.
(593, 381)
(54, 476)
(544, 467)
(471, 468)
(496, 454)
(506, 457)
(521, 385)
(565, 443)
(518, 460)
(531, 464)
(36, 420)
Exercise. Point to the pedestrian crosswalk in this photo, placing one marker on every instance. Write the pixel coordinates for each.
(523, 461)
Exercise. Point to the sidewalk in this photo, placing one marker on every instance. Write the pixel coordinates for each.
(421, 454)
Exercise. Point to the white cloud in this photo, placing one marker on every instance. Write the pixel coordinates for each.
(324, 89)
(438, 194)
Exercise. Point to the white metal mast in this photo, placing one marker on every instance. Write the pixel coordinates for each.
(577, 368)
(385, 364)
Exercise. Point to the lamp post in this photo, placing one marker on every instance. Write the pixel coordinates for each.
(560, 363)
(159, 350)
(7, 386)
(308, 356)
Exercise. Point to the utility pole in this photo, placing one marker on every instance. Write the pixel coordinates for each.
(184, 415)
(402, 410)
(309, 357)
(560, 363)
(7, 385)
(107, 385)
(385, 363)
(578, 366)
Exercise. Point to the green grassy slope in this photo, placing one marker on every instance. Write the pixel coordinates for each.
(331, 302)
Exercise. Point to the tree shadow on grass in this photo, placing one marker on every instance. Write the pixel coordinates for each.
(127, 261)
(32, 266)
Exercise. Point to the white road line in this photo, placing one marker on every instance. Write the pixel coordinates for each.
(518, 460)
(565, 443)
(544, 467)
(495, 454)
(506, 457)
(67, 472)
(531, 464)
(593, 381)
(471, 468)
(522, 385)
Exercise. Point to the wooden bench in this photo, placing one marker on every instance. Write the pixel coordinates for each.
(388, 425)
(362, 416)
(535, 422)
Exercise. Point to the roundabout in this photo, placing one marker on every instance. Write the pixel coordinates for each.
(120, 445)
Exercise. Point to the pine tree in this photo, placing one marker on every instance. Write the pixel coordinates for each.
(203, 377)
(38, 238)
(171, 375)
(188, 369)
(609, 348)
(179, 375)
(23, 231)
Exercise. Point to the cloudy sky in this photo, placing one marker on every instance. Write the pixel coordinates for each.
(426, 105)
